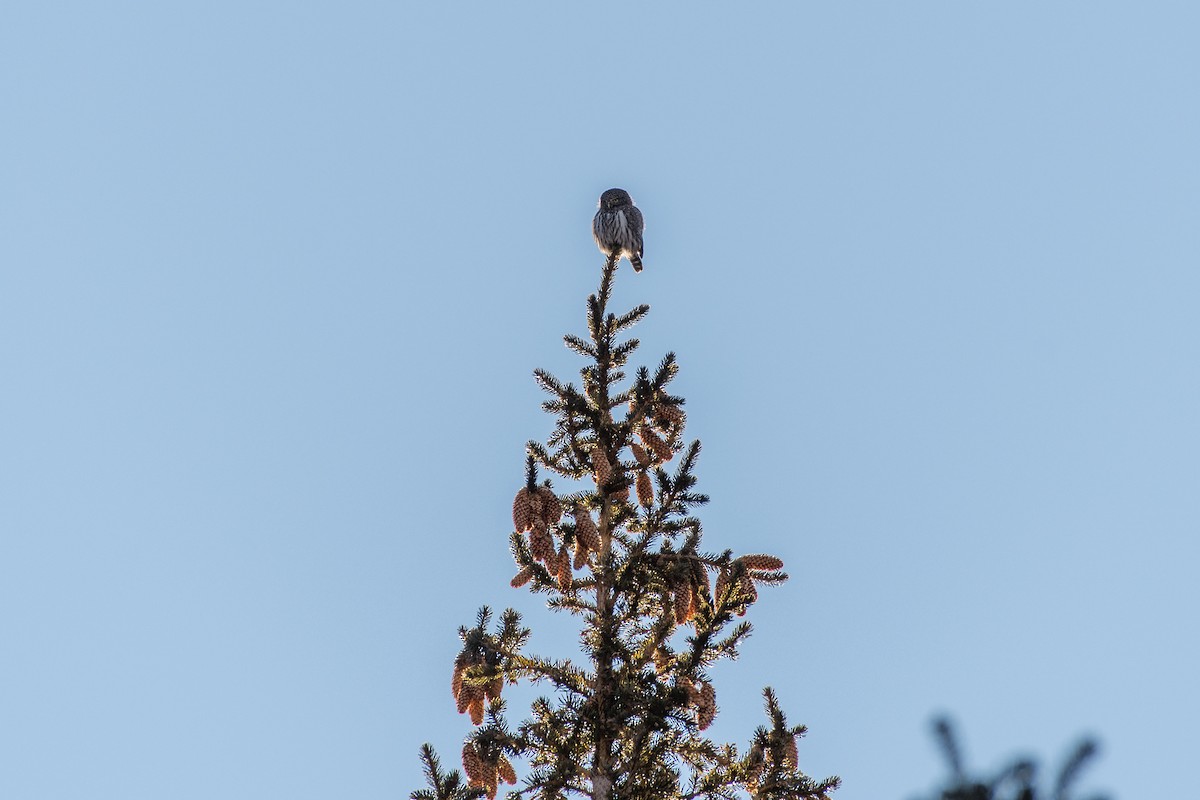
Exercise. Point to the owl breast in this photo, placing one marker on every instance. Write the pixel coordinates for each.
(622, 226)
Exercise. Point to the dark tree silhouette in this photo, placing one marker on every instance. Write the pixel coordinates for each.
(1016, 781)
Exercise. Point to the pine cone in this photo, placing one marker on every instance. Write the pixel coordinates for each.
(761, 562)
(581, 555)
(564, 569)
(541, 545)
(456, 681)
(601, 465)
(670, 415)
(493, 689)
(552, 562)
(792, 756)
(585, 530)
(749, 593)
(505, 770)
(645, 490)
(755, 763)
(463, 700)
(722, 583)
(640, 454)
(682, 603)
(707, 710)
(552, 509)
(522, 511)
(522, 577)
(661, 450)
(475, 709)
(700, 577)
(472, 764)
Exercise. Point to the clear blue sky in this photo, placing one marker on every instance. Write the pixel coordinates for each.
(273, 278)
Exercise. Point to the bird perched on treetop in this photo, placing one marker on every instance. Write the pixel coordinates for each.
(617, 227)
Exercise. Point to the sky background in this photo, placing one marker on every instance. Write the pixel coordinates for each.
(274, 277)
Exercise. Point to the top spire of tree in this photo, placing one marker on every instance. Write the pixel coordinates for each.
(618, 546)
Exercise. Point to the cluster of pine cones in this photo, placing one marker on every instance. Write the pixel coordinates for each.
(471, 697)
(487, 772)
(537, 512)
(757, 565)
(686, 586)
(668, 418)
(761, 761)
(685, 590)
(666, 421)
(603, 471)
(653, 450)
(703, 698)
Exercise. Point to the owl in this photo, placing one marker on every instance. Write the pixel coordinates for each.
(617, 227)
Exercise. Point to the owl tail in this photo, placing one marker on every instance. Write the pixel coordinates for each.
(636, 262)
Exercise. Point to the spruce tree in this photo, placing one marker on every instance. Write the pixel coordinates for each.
(617, 545)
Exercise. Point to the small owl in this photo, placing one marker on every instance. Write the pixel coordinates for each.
(617, 227)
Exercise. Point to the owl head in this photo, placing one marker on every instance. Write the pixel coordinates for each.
(614, 198)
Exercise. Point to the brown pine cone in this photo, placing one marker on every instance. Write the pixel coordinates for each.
(522, 511)
(552, 562)
(670, 415)
(640, 454)
(722, 583)
(707, 710)
(762, 562)
(493, 689)
(645, 490)
(463, 700)
(700, 577)
(755, 763)
(469, 695)
(456, 681)
(475, 709)
(746, 588)
(581, 555)
(552, 509)
(564, 569)
(472, 764)
(504, 769)
(661, 450)
(541, 545)
(522, 577)
(601, 465)
(585, 530)
(683, 603)
(792, 756)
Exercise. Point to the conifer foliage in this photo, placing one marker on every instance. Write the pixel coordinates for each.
(621, 549)
(1016, 781)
